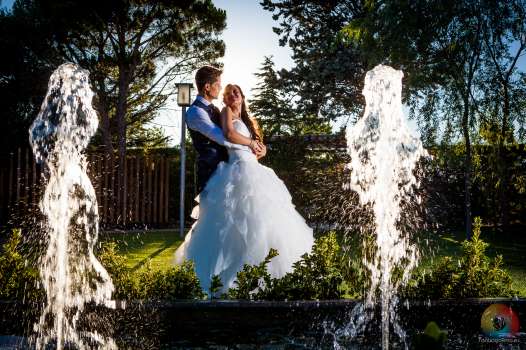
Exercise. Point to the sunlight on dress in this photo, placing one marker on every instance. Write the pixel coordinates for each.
(244, 211)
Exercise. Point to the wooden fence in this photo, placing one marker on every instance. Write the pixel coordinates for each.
(143, 199)
(149, 195)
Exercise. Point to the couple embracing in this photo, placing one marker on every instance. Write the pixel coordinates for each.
(244, 208)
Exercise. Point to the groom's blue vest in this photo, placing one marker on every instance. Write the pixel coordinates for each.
(209, 153)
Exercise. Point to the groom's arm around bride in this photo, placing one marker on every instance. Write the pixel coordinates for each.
(203, 121)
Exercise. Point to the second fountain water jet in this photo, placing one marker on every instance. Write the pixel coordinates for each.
(384, 155)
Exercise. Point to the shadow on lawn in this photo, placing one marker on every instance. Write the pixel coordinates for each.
(139, 247)
(151, 256)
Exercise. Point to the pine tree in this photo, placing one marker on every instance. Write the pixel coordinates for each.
(268, 105)
(277, 112)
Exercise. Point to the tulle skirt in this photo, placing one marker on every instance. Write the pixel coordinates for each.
(244, 211)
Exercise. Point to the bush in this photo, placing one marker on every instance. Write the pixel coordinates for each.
(252, 280)
(315, 276)
(433, 338)
(320, 274)
(472, 275)
(178, 282)
(19, 279)
(215, 286)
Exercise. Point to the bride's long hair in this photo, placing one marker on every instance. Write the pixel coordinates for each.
(251, 123)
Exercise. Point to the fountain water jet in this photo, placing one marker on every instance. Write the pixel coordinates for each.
(384, 155)
(70, 273)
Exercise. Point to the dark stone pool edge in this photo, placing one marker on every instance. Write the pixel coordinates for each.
(193, 322)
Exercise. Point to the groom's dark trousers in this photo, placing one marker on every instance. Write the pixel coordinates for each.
(209, 153)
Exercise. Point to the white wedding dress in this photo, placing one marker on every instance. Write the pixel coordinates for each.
(244, 210)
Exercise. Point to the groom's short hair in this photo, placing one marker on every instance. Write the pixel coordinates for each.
(206, 74)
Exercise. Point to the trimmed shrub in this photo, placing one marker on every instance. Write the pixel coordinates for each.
(322, 274)
(178, 282)
(19, 279)
(472, 275)
(253, 279)
(317, 275)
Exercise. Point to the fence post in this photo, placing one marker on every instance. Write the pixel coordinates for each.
(166, 188)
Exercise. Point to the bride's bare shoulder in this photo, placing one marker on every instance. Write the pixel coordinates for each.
(226, 111)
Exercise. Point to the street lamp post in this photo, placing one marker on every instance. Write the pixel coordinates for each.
(183, 100)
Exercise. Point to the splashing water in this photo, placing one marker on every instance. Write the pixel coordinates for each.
(383, 156)
(70, 273)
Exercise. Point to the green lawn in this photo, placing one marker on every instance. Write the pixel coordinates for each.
(139, 247)
(159, 246)
(512, 247)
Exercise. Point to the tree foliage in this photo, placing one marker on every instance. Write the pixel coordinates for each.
(276, 109)
(459, 59)
(135, 51)
(327, 76)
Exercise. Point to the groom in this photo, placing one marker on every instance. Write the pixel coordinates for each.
(203, 121)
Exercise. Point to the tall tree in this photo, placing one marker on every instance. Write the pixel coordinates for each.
(327, 76)
(502, 109)
(23, 78)
(440, 45)
(268, 104)
(452, 52)
(275, 106)
(136, 51)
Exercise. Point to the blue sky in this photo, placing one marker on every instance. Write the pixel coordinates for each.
(6, 3)
(248, 39)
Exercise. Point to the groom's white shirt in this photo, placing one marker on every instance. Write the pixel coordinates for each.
(198, 119)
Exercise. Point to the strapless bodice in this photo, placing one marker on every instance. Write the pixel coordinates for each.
(242, 153)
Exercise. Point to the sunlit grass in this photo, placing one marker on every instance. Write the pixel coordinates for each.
(158, 248)
(141, 247)
(512, 247)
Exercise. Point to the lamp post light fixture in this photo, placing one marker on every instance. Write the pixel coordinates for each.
(184, 94)
(183, 100)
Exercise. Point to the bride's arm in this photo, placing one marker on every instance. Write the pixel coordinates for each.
(230, 133)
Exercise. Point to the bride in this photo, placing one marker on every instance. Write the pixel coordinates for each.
(244, 211)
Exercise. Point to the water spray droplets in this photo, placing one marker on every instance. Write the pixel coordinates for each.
(384, 155)
(71, 275)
